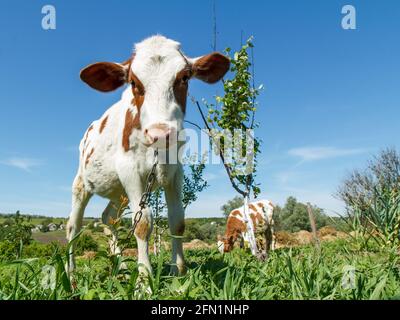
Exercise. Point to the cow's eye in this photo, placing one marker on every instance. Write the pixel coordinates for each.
(133, 84)
(185, 78)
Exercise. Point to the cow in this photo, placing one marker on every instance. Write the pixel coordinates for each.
(116, 151)
(261, 214)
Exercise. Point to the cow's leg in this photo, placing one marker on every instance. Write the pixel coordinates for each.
(142, 234)
(80, 199)
(176, 220)
(112, 211)
(269, 241)
(134, 188)
(241, 242)
(273, 238)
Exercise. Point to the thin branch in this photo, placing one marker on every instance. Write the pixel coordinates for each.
(193, 124)
(227, 168)
(254, 86)
(214, 46)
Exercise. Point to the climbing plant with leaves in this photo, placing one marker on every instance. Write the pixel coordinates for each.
(234, 113)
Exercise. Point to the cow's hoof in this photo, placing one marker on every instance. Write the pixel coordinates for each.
(178, 270)
(143, 289)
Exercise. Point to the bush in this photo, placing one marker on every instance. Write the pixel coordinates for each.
(372, 198)
(16, 232)
(205, 231)
(36, 249)
(293, 217)
(85, 242)
(8, 250)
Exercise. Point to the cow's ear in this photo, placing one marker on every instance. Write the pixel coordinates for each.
(105, 76)
(210, 68)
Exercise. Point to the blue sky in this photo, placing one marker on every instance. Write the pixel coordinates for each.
(331, 97)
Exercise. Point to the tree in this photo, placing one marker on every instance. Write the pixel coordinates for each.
(372, 198)
(293, 216)
(232, 204)
(231, 123)
(16, 233)
(359, 189)
(193, 183)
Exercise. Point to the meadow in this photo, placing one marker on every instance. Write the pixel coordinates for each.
(302, 272)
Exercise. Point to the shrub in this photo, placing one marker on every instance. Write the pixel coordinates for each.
(36, 249)
(293, 217)
(372, 198)
(85, 242)
(8, 250)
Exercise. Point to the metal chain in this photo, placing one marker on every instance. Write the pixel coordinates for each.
(151, 178)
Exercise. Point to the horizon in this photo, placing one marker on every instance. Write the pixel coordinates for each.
(330, 100)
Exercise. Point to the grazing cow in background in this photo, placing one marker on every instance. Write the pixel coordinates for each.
(114, 157)
(261, 213)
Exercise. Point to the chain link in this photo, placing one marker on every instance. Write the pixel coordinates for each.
(151, 178)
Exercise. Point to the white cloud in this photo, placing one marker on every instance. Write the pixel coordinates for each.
(319, 153)
(25, 164)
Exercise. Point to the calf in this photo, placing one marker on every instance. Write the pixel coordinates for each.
(261, 214)
(114, 157)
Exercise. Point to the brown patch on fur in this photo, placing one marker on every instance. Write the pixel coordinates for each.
(137, 89)
(180, 87)
(128, 129)
(260, 218)
(87, 134)
(234, 228)
(88, 157)
(142, 229)
(236, 213)
(260, 204)
(253, 217)
(78, 185)
(253, 207)
(103, 124)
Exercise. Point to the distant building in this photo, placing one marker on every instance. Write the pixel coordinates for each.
(35, 229)
(52, 227)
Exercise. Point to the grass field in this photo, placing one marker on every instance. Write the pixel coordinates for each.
(289, 273)
(53, 236)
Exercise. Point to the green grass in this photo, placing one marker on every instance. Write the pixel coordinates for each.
(297, 273)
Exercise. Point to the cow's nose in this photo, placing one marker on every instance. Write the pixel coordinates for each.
(158, 134)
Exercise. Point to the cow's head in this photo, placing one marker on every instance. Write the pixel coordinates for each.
(159, 75)
(224, 243)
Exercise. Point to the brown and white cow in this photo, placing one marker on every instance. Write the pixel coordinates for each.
(117, 151)
(261, 214)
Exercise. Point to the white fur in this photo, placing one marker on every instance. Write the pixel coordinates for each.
(267, 214)
(112, 172)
